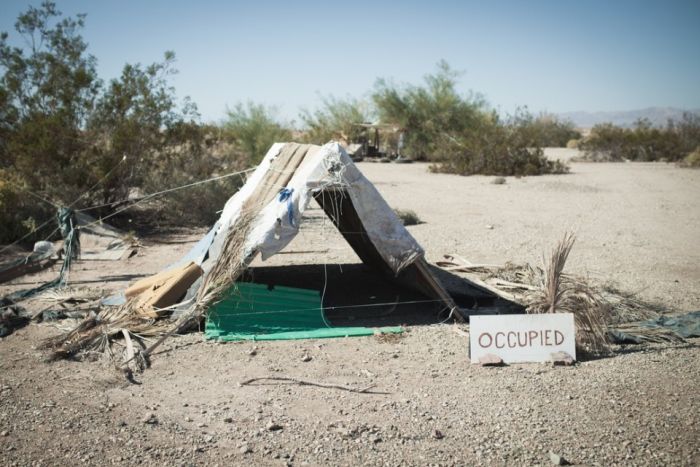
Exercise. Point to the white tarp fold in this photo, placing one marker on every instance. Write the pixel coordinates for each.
(326, 167)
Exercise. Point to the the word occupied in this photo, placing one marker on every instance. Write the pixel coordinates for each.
(522, 338)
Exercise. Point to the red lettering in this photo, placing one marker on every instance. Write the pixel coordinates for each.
(514, 343)
(558, 337)
(502, 345)
(485, 334)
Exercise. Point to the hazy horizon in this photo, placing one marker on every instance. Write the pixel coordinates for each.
(553, 57)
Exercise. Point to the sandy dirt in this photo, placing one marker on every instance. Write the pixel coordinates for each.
(637, 225)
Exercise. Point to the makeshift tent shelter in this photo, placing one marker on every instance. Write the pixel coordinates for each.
(265, 215)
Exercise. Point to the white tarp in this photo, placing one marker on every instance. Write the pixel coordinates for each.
(323, 167)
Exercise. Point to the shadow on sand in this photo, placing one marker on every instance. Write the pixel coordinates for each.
(356, 295)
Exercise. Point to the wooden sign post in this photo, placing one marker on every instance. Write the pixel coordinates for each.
(522, 338)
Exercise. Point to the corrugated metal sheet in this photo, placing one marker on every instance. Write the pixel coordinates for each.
(257, 312)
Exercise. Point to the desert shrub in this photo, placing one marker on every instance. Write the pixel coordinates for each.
(692, 159)
(47, 90)
(68, 137)
(204, 153)
(573, 143)
(496, 148)
(139, 133)
(408, 217)
(432, 115)
(544, 130)
(20, 213)
(254, 129)
(336, 120)
(644, 142)
(458, 133)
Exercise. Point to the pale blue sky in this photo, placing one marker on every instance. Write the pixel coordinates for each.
(552, 56)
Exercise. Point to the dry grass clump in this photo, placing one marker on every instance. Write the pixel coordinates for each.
(625, 307)
(557, 292)
(408, 217)
(692, 160)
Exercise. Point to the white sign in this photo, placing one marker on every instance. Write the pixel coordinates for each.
(522, 338)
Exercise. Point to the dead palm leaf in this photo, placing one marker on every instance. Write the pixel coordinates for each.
(560, 293)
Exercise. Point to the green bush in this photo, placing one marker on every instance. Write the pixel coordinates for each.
(432, 115)
(459, 134)
(692, 159)
(494, 148)
(254, 129)
(21, 214)
(335, 120)
(545, 130)
(68, 137)
(643, 142)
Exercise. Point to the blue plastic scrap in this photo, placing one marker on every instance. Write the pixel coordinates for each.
(286, 195)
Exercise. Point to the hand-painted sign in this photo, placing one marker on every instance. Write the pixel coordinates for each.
(522, 338)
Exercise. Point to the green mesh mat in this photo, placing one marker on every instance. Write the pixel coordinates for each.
(256, 312)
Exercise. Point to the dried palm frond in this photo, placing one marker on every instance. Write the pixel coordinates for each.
(95, 332)
(68, 302)
(641, 333)
(560, 293)
(229, 265)
(70, 295)
(516, 273)
(625, 307)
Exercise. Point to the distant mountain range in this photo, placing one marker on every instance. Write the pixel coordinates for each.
(658, 116)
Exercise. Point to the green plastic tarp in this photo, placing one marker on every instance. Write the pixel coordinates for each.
(258, 312)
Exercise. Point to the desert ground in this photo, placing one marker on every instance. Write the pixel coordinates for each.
(637, 225)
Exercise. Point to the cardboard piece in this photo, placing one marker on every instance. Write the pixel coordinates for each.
(163, 289)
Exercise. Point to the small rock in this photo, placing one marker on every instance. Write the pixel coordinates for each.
(557, 459)
(499, 181)
(490, 360)
(5, 433)
(272, 426)
(562, 359)
(150, 418)
(228, 420)
(306, 358)
(437, 434)
(489, 227)
(188, 419)
(245, 449)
